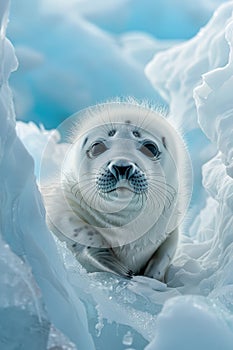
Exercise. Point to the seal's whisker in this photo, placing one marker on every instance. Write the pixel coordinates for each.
(75, 189)
(159, 192)
(110, 121)
(153, 200)
(72, 187)
(163, 183)
(151, 172)
(88, 180)
(87, 195)
(164, 193)
(144, 198)
(168, 188)
(105, 122)
(141, 124)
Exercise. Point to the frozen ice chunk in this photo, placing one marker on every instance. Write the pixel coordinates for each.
(23, 227)
(22, 316)
(191, 323)
(202, 67)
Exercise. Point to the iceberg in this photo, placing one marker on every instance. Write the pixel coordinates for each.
(48, 299)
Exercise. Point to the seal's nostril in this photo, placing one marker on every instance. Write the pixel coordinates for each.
(120, 171)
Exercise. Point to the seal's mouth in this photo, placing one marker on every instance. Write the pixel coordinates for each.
(137, 183)
(121, 192)
(123, 186)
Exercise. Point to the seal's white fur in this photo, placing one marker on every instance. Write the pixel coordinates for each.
(124, 232)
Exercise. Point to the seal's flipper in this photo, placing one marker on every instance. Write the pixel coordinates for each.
(161, 259)
(101, 259)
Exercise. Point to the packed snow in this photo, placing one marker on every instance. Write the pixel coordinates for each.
(47, 300)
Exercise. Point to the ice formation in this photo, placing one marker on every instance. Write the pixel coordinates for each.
(44, 68)
(83, 28)
(24, 320)
(196, 82)
(42, 283)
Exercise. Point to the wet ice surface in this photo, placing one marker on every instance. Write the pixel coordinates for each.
(43, 284)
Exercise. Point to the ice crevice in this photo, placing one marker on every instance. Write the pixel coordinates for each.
(48, 300)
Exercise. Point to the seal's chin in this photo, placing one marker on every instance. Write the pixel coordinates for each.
(121, 191)
(123, 195)
(124, 192)
(123, 186)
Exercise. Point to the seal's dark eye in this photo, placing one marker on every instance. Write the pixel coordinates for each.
(150, 150)
(96, 149)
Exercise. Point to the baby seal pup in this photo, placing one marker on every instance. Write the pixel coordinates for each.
(123, 190)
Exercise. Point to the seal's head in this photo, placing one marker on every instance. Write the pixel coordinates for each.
(124, 155)
(114, 161)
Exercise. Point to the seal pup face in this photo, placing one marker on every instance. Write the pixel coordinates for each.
(117, 163)
(119, 156)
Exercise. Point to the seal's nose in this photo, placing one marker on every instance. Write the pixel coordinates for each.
(122, 169)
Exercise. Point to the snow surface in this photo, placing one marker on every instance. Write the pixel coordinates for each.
(42, 283)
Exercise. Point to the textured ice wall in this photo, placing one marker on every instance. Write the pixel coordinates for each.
(23, 318)
(196, 80)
